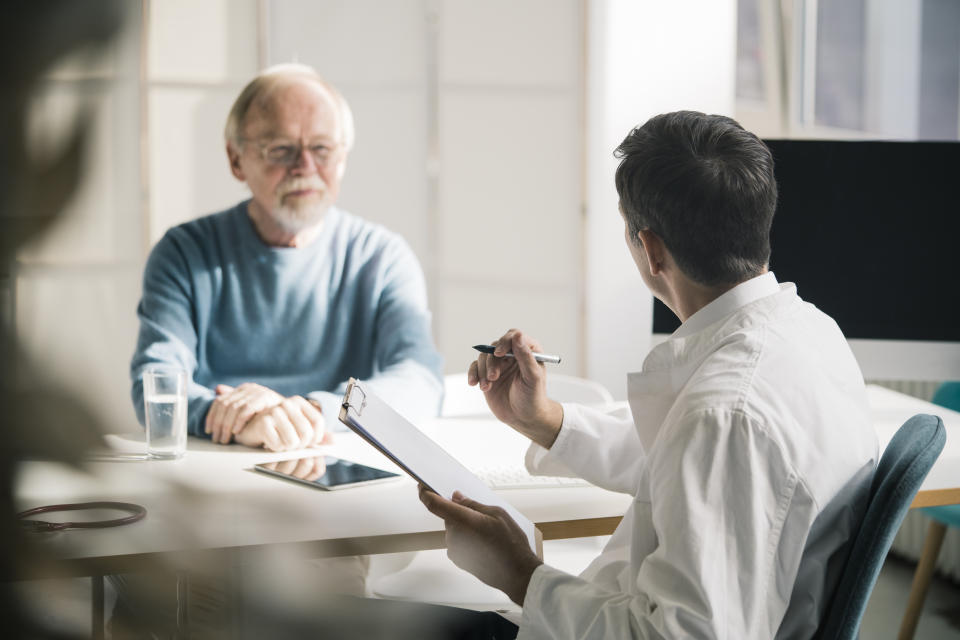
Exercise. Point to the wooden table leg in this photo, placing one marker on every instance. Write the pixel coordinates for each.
(921, 579)
(183, 605)
(97, 632)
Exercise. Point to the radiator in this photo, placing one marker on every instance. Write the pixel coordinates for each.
(909, 540)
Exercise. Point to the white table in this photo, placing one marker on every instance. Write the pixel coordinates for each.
(890, 410)
(212, 502)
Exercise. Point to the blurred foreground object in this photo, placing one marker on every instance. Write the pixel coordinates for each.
(40, 421)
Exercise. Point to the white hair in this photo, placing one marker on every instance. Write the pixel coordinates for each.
(270, 78)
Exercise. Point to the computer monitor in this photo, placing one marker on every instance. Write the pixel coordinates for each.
(870, 233)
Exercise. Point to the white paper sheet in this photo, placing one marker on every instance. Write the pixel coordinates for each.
(411, 449)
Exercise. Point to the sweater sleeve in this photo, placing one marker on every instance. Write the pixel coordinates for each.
(408, 371)
(168, 335)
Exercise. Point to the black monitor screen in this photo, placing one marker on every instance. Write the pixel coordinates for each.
(870, 233)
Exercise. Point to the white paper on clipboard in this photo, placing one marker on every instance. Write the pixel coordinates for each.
(426, 461)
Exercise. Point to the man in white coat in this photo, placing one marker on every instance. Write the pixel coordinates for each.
(750, 450)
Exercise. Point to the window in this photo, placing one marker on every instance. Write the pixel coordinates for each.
(850, 68)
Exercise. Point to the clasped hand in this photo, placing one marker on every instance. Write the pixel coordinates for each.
(256, 416)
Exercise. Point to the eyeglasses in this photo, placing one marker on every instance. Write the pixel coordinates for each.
(284, 153)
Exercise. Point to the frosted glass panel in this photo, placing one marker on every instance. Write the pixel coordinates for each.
(352, 42)
(476, 313)
(189, 172)
(210, 41)
(81, 328)
(386, 172)
(510, 185)
(100, 222)
(528, 43)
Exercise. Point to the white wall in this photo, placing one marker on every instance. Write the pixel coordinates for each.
(644, 58)
(509, 175)
(200, 55)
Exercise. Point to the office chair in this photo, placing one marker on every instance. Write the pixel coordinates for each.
(902, 468)
(948, 395)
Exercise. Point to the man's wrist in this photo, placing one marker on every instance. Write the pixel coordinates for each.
(546, 428)
(523, 575)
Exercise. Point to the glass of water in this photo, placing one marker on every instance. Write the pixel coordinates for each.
(165, 405)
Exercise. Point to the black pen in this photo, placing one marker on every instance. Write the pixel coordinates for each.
(540, 357)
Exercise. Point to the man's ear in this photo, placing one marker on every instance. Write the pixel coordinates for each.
(656, 252)
(233, 156)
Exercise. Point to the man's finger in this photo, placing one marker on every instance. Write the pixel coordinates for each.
(271, 439)
(229, 419)
(223, 417)
(299, 421)
(309, 409)
(223, 388)
(530, 369)
(255, 400)
(206, 419)
(285, 429)
(447, 510)
(213, 418)
(485, 509)
(503, 344)
(315, 418)
(243, 417)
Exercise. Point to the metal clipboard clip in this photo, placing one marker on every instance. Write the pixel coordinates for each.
(355, 398)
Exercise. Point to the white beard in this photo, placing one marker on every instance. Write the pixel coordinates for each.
(296, 218)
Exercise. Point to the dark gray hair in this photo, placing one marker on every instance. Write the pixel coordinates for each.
(706, 187)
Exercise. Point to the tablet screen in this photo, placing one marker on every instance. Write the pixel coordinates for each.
(326, 472)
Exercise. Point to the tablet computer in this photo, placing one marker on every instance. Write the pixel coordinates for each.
(326, 472)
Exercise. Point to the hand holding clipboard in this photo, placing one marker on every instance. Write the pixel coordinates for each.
(419, 456)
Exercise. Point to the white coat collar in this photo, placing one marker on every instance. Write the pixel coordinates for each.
(667, 368)
(740, 296)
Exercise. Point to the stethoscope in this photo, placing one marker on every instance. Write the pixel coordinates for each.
(39, 526)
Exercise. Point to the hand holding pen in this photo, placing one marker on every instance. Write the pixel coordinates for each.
(539, 357)
(514, 382)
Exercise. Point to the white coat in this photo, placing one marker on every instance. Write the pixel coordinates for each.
(750, 455)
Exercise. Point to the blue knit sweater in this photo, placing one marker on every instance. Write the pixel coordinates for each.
(229, 309)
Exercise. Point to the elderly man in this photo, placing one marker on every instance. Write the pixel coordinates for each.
(274, 303)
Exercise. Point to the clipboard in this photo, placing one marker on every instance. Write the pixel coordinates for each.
(419, 456)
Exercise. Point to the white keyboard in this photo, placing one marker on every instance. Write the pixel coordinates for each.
(516, 477)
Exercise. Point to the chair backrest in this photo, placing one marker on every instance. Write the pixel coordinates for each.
(948, 395)
(902, 468)
(460, 399)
